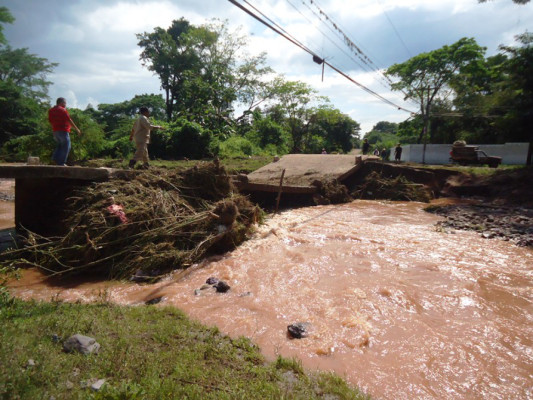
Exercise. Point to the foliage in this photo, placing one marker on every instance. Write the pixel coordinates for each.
(21, 115)
(203, 70)
(113, 115)
(26, 71)
(236, 146)
(429, 76)
(5, 17)
(337, 129)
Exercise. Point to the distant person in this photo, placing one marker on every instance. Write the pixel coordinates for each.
(61, 123)
(376, 152)
(324, 151)
(141, 133)
(384, 154)
(398, 153)
(366, 146)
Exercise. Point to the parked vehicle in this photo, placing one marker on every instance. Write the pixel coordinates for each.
(464, 154)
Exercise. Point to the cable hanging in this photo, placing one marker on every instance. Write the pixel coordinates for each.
(316, 58)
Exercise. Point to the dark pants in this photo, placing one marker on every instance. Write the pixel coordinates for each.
(63, 147)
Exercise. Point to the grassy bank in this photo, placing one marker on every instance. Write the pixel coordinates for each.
(232, 165)
(148, 352)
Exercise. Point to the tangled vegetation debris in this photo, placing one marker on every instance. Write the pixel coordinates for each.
(157, 222)
(376, 186)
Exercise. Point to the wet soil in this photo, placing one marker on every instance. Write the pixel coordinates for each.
(500, 206)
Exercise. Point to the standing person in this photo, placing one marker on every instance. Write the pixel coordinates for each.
(383, 154)
(324, 151)
(366, 146)
(376, 152)
(398, 153)
(61, 123)
(141, 133)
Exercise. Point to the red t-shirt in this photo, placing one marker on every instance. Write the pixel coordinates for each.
(59, 118)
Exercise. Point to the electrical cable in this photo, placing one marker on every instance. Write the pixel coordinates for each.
(316, 57)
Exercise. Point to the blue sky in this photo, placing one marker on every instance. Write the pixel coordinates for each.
(95, 45)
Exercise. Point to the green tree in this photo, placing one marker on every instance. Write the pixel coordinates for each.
(23, 88)
(113, 115)
(203, 71)
(337, 129)
(5, 18)
(293, 108)
(430, 76)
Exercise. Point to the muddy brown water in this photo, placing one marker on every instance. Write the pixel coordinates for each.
(397, 308)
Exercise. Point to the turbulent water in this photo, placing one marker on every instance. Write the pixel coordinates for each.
(396, 307)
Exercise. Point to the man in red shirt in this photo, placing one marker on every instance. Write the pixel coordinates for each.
(61, 123)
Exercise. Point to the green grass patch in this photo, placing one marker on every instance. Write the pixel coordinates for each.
(232, 165)
(147, 353)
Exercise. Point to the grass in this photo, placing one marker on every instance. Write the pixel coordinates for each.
(148, 352)
(232, 165)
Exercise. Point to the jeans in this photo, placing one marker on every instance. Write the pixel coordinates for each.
(63, 147)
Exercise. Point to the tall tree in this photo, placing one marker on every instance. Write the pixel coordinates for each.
(166, 54)
(5, 18)
(204, 70)
(23, 87)
(429, 76)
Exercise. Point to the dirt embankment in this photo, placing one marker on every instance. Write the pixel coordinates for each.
(502, 208)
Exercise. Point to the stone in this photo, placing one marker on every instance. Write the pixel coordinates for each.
(222, 287)
(211, 281)
(299, 330)
(30, 363)
(83, 344)
(96, 386)
(155, 300)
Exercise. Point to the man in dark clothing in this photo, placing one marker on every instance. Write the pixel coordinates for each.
(366, 146)
(398, 153)
(61, 123)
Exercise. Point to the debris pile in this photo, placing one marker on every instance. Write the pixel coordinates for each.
(159, 221)
(376, 186)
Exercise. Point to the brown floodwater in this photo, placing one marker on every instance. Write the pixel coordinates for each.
(396, 307)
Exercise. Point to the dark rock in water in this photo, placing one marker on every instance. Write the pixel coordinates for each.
(155, 300)
(222, 287)
(211, 281)
(299, 330)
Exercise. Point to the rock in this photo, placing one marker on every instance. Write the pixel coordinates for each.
(30, 363)
(96, 386)
(211, 281)
(222, 287)
(299, 330)
(197, 292)
(69, 385)
(246, 294)
(155, 300)
(205, 286)
(82, 344)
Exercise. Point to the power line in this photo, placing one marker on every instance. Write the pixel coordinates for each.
(395, 30)
(364, 66)
(316, 58)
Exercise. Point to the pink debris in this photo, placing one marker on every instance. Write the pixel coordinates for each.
(118, 211)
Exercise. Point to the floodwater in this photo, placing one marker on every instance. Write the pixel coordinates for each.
(396, 307)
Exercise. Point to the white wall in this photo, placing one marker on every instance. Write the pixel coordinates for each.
(511, 153)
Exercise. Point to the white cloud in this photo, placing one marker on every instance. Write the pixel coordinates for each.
(131, 17)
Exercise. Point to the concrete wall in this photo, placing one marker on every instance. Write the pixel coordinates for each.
(511, 153)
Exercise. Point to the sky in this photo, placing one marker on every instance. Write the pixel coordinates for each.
(94, 42)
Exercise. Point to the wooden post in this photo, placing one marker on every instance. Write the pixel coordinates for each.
(279, 190)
